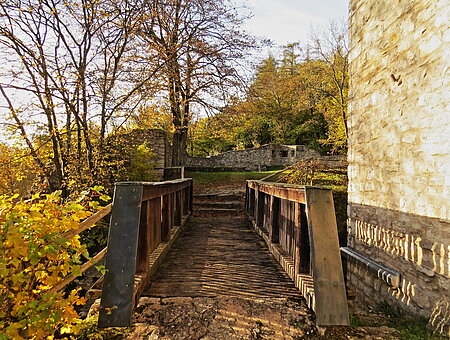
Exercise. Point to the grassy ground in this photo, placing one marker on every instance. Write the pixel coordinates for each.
(226, 178)
(213, 182)
(389, 316)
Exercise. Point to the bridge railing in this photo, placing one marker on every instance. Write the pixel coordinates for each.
(146, 218)
(298, 224)
(86, 224)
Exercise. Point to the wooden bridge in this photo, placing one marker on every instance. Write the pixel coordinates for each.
(283, 243)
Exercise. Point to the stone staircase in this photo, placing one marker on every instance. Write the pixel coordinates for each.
(218, 204)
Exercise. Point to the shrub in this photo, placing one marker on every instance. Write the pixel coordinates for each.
(141, 166)
(34, 256)
(304, 172)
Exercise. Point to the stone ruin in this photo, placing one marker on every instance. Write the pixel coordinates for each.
(255, 159)
(153, 138)
(258, 159)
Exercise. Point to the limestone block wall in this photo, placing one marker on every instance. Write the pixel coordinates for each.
(253, 159)
(155, 139)
(399, 151)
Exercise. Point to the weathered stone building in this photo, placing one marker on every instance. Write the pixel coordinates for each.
(249, 159)
(399, 154)
(256, 158)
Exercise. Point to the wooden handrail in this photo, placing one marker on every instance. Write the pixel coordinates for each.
(175, 201)
(299, 226)
(86, 224)
(144, 216)
(277, 173)
(89, 222)
(85, 266)
(290, 192)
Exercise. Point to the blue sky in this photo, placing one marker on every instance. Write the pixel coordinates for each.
(285, 21)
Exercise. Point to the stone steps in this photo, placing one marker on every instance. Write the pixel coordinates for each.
(220, 204)
(219, 197)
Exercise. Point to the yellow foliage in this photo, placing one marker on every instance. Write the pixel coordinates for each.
(304, 172)
(153, 117)
(17, 170)
(34, 256)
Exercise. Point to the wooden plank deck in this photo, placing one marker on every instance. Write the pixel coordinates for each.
(220, 256)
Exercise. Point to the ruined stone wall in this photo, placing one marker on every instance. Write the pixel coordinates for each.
(399, 151)
(254, 159)
(154, 138)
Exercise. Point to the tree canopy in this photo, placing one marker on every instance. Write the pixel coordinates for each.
(76, 72)
(299, 97)
(200, 44)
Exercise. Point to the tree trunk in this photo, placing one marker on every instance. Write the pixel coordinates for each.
(179, 145)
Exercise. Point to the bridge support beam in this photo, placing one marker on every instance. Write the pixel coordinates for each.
(326, 262)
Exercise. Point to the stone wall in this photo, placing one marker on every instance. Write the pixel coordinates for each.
(154, 138)
(399, 152)
(260, 158)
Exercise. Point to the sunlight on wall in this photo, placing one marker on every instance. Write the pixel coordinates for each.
(404, 245)
(403, 293)
(440, 315)
(440, 253)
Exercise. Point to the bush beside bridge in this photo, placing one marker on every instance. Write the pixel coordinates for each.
(34, 257)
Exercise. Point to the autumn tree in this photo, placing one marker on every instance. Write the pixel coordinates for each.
(17, 170)
(72, 74)
(280, 104)
(152, 116)
(330, 50)
(299, 97)
(200, 44)
(215, 134)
